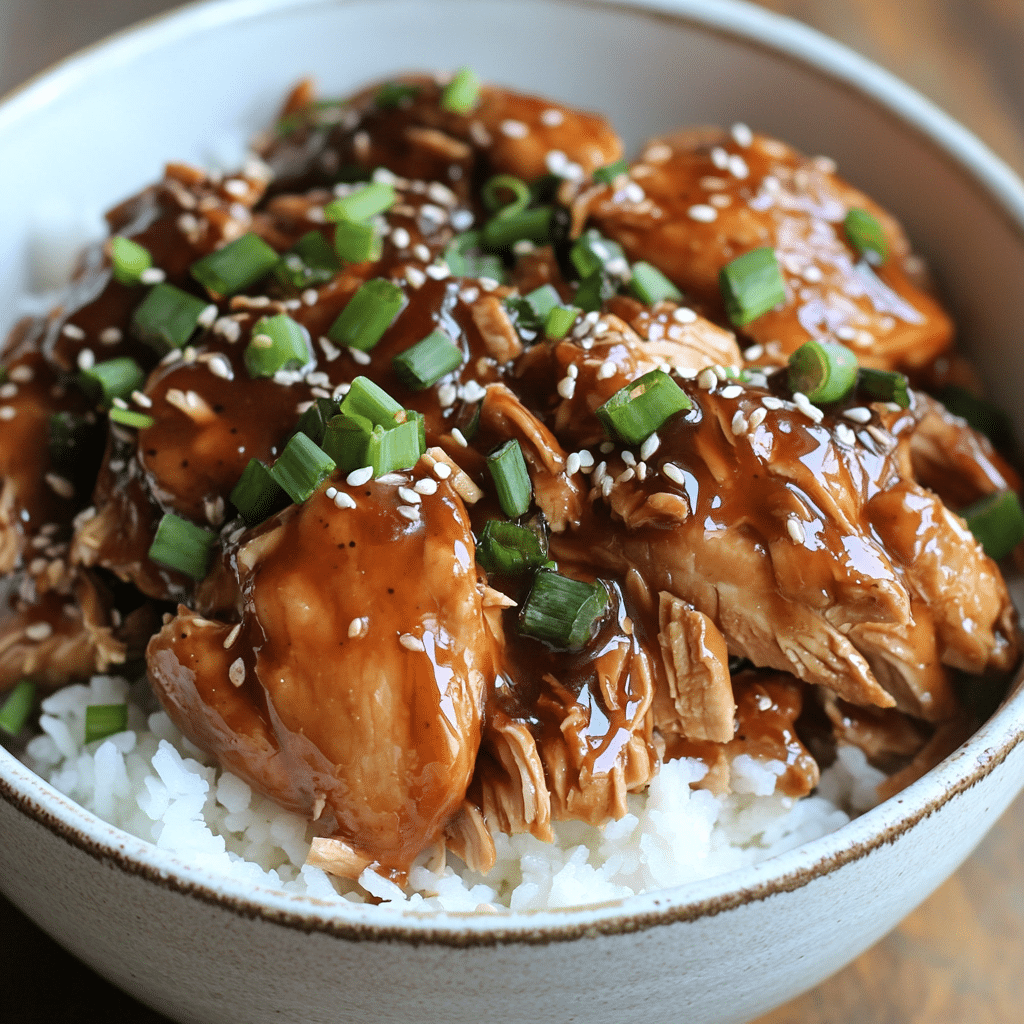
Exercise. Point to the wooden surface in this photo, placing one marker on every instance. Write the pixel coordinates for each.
(959, 958)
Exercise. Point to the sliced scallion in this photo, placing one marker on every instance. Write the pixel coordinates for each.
(865, 234)
(236, 266)
(395, 94)
(885, 385)
(103, 720)
(592, 252)
(167, 317)
(70, 434)
(607, 174)
(464, 258)
(182, 546)
(113, 378)
(277, 343)
(17, 707)
(388, 451)
(505, 184)
(310, 261)
(533, 308)
(511, 479)
(997, 522)
(824, 371)
(346, 439)
(257, 495)
(426, 362)
(561, 611)
(751, 285)
(362, 204)
(560, 320)
(369, 313)
(357, 242)
(462, 93)
(313, 422)
(594, 291)
(509, 549)
(370, 400)
(131, 418)
(301, 468)
(505, 229)
(637, 410)
(651, 286)
(128, 259)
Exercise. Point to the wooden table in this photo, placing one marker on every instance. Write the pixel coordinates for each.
(959, 957)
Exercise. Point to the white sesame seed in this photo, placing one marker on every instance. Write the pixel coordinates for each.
(415, 276)
(21, 374)
(719, 372)
(400, 238)
(812, 274)
(514, 129)
(738, 166)
(73, 331)
(330, 493)
(236, 673)
(437, 271)
(409, 496)
(442, 470)
(684, 315)
(7, 412)
(803, 403)
(566, 388)
(461, 219)
(86, 359)
(38, 631)
(358, 628)
(606, 370)
(754, 352)
(607, 483)
(361, 357)
(674, 473)
(795, 529)
(626, 475)
(702, 212)
(344, 500)
(845, 333)
(880, 436)
(361, 476)
(586, 460)
(845, 434)
(720, 158)
(152, 275)
(232, 636)
(658, 153)
(606, 447)
(118, 402)
(739, 423)
(720, 201)
(551, 117)
(893, 406)
(487, 284)
(641, 471)
(219, 367)
(230, 330)
(411, 643)
(110, 335)
(421, 252)
(469, 295)
(650, 446)
(59, 485)
(410, 512)
(741, 134)
(572, 464)
(732, 391)
(707, 379)
(391, 478)
(8, 390)
(425, 486)
(757, 418)
(773, 403)
(473, 392)
(459, 438)
(447, 394)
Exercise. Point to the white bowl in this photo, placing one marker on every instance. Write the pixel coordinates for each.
(198, 948)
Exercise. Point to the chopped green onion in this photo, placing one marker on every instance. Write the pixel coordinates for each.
(607, 174)
(509, 549)
(981, 414)
(362, 204)
(592, 252)
(369, 313)
(395, 94)
(257, 495)
(301, 468)
(465, 259)
(131, 418)
(313, 422)
(357, 242)
(346, 440)
(237, 265)
(103, 720)
(651, 286)
(562, 612)
(17, 707)
(532, 309)
(824, 371)
(997, 522)
(310, 261)
(751, 285)
(594, 291)
(885, 385)
(182, 546)
(113, 378)
(167, 317)
(277, 343)
(128, 259)
(559, 320)
(398, 448)
(370, 400)
(505, 229)
(511, 479)
(70, 434)
(462, 93)
(493, 188)
(426, 362)
(865, 234)
(637, 410)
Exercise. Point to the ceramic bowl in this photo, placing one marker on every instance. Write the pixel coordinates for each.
(201, 949)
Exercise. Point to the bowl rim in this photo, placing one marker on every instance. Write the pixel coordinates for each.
(978, 757)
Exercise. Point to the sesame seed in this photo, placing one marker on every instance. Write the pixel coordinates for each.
(331, 493)
(344, 500)
(720, 158)
(606, 447)
(566, 388)
(894, 407)
(514, 129)
(719, 372)
(409, 496)
(37, 566)
(845, 333)
(739, 423)
(741, 134)
(461, 219)
(358, 628)
(59, 485)
(86, 359)
(473, 392)
(641, 471)
(8, 390)
(702, 212)
(707, 379)
(189, 354)
(361, 476)
(232, 636)
(152, 275)
(683, 315)
(438, 271)
(845, 434)
(607, 483)
(650, 446)
(425, 486)
(488, 284)
(469, 295)
(118, 402)
(732, 391)
(803, 403)
(411, 643)
(415, 276)
(658, 153)
(633, 193)
(309, 296)
(110, 335)
(629, 458)
(262, 341)
(459, 438)
(883, 439)
(73, 331)
(7, 412)
(586, 459)
(754, 352)
(572, 464)
(230, 330)
(442, 470)
(606, 370)
(757, 418)
(773, 403)
(447, 394)
(330, 350)
(361, 357)
(720, 201)
(551, 117)
(812, 274)
(236, 673)
(674, 473)
(626, 475)
(411, 512)
(738, 166)
(421, 252)
(39, 631)
(795, 529)
(219, 367)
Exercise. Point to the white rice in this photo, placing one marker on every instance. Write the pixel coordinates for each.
(152, 782)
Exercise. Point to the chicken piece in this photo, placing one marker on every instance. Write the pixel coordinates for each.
(706, 197)
(416, 137)
(348, 692)
(805, 547)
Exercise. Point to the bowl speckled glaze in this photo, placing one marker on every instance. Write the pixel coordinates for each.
(198, 948)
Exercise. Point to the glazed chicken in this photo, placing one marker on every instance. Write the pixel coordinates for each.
(518, 617)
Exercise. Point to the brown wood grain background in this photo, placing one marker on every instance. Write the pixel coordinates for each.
(960, 957)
